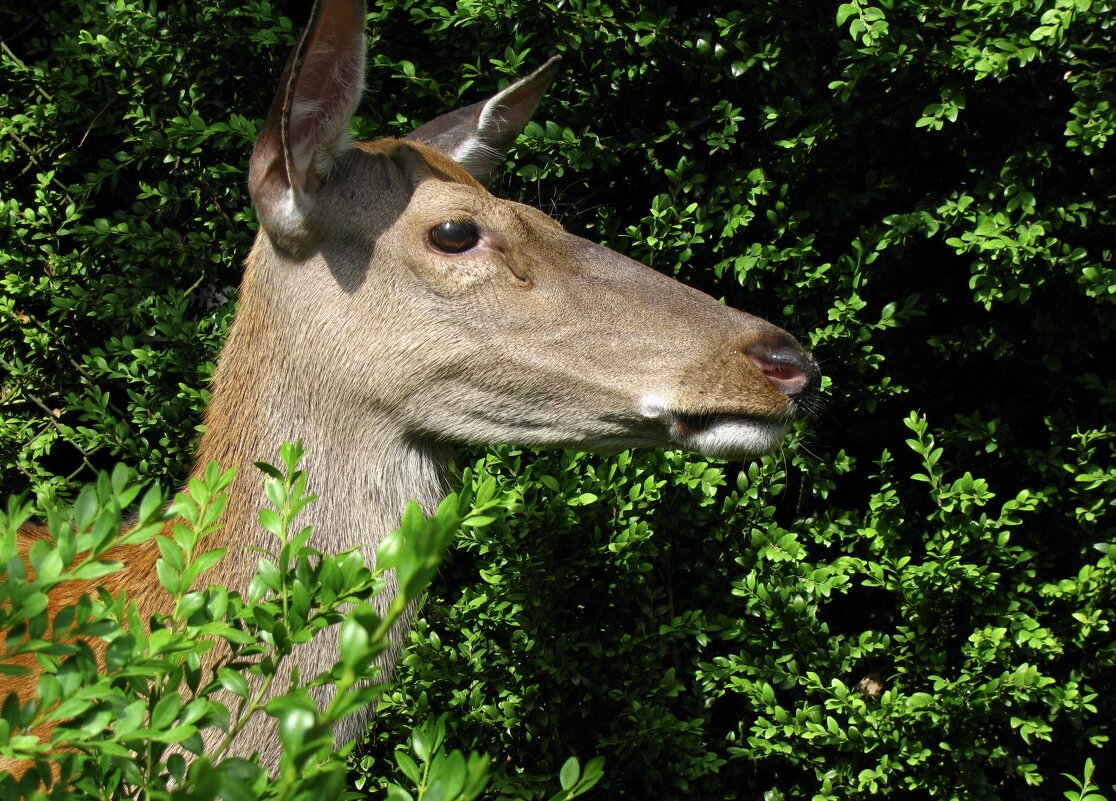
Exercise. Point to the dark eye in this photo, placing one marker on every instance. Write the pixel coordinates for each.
(454, 236)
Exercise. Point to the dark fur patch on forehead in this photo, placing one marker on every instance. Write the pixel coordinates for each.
(417, 160)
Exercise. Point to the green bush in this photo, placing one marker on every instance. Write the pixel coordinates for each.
(912, 599)
(119, 716)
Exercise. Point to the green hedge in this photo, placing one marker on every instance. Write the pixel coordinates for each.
(913, 599)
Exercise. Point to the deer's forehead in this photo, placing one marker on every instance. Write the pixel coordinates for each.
(437, 189)
(417, 161)
(438, 196)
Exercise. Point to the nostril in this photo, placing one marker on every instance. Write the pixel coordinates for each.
(790, 370)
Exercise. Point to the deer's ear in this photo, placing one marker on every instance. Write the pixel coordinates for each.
(478, 136)
(308, 125)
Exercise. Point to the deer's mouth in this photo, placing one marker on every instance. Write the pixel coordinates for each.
(727, 436)
(692, 425)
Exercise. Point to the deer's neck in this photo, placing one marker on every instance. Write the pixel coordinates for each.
(362, 469)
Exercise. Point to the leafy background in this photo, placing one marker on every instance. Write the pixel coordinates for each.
(912, 599)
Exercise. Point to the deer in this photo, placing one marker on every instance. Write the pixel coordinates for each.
(391, 307)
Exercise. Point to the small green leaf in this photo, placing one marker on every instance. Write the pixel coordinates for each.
(569, 774)
(234, 682)
(409, 767)
(397, 793)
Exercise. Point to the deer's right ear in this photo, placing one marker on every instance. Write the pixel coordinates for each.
(478, 136)
(307, 128)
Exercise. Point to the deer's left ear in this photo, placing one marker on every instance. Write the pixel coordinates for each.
(307, 128)
(478, 136)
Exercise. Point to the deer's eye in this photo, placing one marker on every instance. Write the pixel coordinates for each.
(454, 236)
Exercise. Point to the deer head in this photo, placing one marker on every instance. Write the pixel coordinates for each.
(418, 306)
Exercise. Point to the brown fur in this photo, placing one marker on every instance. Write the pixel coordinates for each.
(136, 577)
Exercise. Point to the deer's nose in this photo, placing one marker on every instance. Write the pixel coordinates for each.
(790, 369)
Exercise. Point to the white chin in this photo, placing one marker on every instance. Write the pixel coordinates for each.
(732, 439)
(720, 435)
